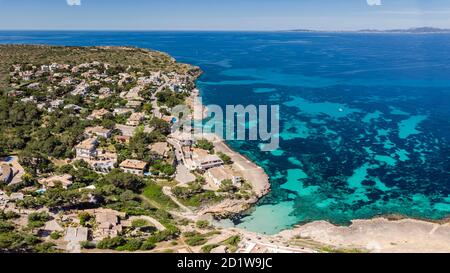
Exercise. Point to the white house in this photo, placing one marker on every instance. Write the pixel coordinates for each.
(87, 148)
(220, 174)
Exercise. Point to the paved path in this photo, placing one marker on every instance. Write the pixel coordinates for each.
(184, 176)
(155, 106)
(152, 220)
(169, 193)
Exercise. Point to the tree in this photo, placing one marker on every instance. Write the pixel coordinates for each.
(85, 218)
(35, 162)
(38, 219)
(3, 151)
(205, 145)
(227, 186)
(160, 126)
(124, 181)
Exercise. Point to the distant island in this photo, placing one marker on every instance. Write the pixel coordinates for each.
(417, 30)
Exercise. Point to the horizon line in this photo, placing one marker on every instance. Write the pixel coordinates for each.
(228, 30)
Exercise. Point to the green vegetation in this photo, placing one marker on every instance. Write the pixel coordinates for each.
(138, 223)
(39, 126)
(205, 145)
(38, 219)
(87, 245)
(225, 158)
(170, 98)
(194, 195)
(56, 235)
(163, 169)
(329, 249)
(227, 186)
(155, 193)
(203, 224)
(86, 219)
(195, 238)
(14, 240)
(208, 248)
(139, 59)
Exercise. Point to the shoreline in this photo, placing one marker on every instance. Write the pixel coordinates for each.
(385, 233)
(251, 172)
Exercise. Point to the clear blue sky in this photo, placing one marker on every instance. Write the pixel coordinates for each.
(222, 14)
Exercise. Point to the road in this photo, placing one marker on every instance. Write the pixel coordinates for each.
(155, 106)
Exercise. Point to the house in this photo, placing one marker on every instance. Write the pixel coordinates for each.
(134, 104)
(6, 174)
(103, 162)
(65, 180)
(126, 130)
(30, 99)
(133, 166)
(77, 235)
(133, 94)
(105, 92)
(135, 119)
(160, 148)
(97, 131)
(219, 174)
(81, 89)
(98, 114)
(210, 161)
(87, 148)
(108, 222)
(56, 103)
(67, 81)
(4, 199)
(34, 86)
(185, 139)
(122, 139)
(73, 107)
(202, 160)
(122, 111)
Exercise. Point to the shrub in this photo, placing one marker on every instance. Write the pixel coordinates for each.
(85, 217)
(38, 219)
(225, 158)
(203, 224)
(138, 223)
(205, 145)
(111, 243)
(208, 248)
(233, 240)
(87, 245)
(55, 235)
(147, 245)
(132, 244)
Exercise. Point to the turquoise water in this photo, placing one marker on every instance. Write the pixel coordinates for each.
(365, 119)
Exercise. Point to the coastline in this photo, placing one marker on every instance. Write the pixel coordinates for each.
(258, 177)
(250, 171)
(389, 233)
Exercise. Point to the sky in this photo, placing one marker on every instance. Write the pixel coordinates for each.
(222, 14)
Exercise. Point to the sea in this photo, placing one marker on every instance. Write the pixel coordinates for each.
(364, 118)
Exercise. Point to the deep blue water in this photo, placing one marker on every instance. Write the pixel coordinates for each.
(364, 117)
